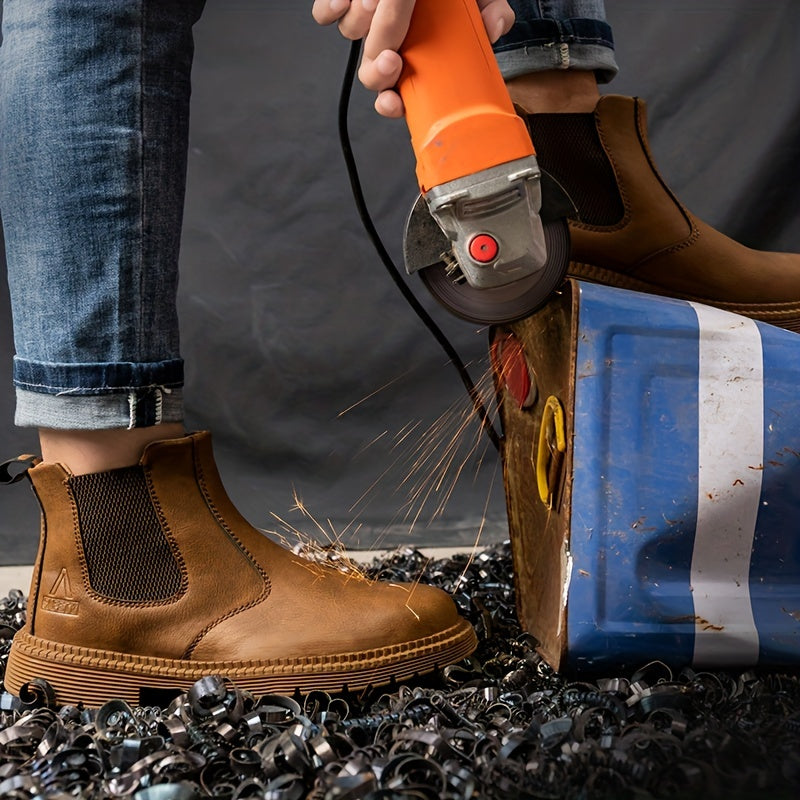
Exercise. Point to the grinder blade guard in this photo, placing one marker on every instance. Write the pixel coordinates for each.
(428, 251)
(477, 234)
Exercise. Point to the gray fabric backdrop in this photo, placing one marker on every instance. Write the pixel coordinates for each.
(303, 359)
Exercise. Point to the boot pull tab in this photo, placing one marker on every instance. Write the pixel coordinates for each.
(15, 469)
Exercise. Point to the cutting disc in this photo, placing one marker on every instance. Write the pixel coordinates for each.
(503, 303)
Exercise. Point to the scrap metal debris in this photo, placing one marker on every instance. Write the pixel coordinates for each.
(498, 725)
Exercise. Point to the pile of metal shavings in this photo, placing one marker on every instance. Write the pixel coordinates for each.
(499, 725)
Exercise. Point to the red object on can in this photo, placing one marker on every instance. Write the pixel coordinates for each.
(510, 363)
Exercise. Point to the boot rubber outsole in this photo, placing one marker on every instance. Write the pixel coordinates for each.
(784, 315)
(92, 677)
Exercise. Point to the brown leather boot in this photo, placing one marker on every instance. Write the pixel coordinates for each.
(629, 230)
(148, 578)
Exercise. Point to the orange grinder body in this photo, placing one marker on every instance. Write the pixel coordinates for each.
(458, 111)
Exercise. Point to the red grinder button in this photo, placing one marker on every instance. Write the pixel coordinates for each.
(483, 248)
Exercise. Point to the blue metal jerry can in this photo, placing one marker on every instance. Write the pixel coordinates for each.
(651, 459)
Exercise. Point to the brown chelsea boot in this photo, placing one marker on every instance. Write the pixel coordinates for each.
(628, 229)
(148, 578)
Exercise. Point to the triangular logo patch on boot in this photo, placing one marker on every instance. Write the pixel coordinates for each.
(60, 600)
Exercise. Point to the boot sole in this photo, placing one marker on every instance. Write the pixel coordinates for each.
(784, 315)
(92, 677)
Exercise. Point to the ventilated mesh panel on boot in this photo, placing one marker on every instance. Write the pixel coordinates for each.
(127, 552)
(568, 147)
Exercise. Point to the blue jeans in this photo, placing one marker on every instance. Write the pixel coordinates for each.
(94, 110)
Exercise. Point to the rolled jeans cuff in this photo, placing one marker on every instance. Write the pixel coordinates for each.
(547, 44)
(94, 396)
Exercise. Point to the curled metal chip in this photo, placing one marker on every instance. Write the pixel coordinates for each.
(499, 724)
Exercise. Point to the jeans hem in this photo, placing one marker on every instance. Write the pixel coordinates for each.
(540, 58)
(535, 44)
(135, 409)
(549, 31)
(96, 379)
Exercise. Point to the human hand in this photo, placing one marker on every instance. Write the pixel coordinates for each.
(383, 25)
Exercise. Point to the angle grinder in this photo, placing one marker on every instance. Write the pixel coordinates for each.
(488, 234)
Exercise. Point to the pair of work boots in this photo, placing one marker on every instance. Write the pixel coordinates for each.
(147, 577)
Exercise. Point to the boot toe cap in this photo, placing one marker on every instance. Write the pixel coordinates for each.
(332, 615)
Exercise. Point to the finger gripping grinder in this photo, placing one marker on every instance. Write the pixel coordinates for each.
(476, 234)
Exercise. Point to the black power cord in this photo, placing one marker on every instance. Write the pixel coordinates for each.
(394, 273)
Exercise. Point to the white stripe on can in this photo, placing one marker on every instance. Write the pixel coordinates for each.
(730, 457)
